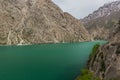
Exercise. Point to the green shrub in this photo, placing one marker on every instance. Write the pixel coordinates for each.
(95, 48)
(87, 75)
(93, 53)
(103, 68)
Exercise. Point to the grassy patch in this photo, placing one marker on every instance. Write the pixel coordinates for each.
(87, 75)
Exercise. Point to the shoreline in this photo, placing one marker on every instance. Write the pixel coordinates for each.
(52, 43)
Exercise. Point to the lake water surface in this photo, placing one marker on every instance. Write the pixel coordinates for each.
(44, 61)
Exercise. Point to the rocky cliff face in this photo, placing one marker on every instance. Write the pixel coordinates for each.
(102, 21)
(37, 21)
(106, 63)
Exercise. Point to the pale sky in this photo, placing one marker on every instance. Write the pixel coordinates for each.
(80, 8)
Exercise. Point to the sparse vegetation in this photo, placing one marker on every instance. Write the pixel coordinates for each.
(103, 68)
(118, 51)
(87, 75)
(95, 48)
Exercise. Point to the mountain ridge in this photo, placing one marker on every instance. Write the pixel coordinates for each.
(37, 21)
(103, 11)
(102, 21)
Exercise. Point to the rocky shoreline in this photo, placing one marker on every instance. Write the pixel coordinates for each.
(106, 63)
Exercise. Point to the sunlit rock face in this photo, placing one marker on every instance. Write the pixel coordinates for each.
(37, 21)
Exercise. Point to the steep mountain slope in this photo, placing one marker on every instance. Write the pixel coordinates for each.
(106, 63)
(37, 21)
(103, 20)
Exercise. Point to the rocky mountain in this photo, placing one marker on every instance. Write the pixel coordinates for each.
(103, 20)
(37, 21)
(106, 62)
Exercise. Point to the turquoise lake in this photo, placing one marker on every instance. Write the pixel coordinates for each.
(44, 61)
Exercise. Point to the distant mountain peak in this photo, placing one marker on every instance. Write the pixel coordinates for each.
(102, 21)
(106, 10)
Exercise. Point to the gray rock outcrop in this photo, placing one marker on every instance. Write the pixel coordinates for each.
(37, 21)
(106, 63)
